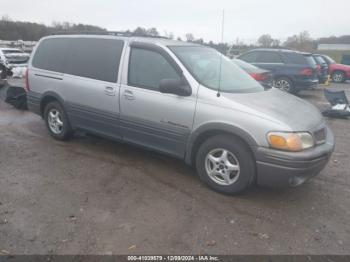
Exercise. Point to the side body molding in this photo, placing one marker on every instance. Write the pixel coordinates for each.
(215, 128)
(35, 100)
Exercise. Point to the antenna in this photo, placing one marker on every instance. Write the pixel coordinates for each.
(222, 41)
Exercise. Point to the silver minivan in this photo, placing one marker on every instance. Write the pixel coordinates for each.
(181, 99)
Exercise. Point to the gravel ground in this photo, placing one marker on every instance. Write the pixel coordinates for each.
(94, 196)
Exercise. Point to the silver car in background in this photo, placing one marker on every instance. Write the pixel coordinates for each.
(181, 99)
(13, 57)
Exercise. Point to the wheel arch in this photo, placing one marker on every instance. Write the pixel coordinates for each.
(209, 130)
(48, 97)
(341, 71)
(279, 76)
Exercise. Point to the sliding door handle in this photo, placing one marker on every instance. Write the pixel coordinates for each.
(128, 94)
(109, 90)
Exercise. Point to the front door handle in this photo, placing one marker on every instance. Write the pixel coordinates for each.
(109, 90)
(128, 94)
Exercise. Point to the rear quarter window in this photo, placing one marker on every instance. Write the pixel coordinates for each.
(269, 57)
(294, 58)
(50, 55)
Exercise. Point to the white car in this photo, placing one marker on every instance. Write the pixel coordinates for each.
(13, 57)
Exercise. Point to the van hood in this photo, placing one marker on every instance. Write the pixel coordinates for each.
(281, 107)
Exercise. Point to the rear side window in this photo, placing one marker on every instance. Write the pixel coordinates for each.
(86, 57)
(147, 68)
(50, 55)
(94, 58)
(294, 58)
(269, 57)
(249, 57)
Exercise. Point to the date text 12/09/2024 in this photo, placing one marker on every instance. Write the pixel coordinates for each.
(173, 258)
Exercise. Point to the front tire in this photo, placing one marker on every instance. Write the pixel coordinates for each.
(57, 121)
(338, 77)
(225, 164)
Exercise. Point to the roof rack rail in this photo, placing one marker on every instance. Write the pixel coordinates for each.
(113, 33)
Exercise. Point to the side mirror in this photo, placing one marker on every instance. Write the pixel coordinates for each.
(175, 86)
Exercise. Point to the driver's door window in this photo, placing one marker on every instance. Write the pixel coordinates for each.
(147, 68)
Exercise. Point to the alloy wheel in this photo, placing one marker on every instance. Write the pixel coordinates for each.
(338, 77)
(222, 166)
(55, 121)
(283, 85)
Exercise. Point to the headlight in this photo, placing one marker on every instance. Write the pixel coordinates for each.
(290, 141)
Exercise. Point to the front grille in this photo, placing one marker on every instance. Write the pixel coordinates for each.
(320, 136)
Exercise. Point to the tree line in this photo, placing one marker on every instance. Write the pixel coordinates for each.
(27, 31)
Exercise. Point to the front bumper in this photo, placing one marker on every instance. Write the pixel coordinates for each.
(280, 168)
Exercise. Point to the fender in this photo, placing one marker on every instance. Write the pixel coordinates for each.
(216, 128)
(51, 94)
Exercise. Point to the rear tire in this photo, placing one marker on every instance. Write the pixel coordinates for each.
(338, 77)
(285, 84)
(231, 172)
(57, 121)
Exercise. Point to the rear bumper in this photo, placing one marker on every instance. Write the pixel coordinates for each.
(13, 65)
(33, 102)
(2, 82)
(306, 83)
(280, 168)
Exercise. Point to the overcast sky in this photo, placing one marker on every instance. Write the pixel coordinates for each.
(245, 19)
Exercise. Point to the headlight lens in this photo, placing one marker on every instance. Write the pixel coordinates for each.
(290, 141)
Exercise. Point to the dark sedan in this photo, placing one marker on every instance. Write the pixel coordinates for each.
(264, 77)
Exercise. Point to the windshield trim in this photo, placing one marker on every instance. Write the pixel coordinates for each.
(248, 90)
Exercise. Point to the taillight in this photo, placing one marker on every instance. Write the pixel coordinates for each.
(306, 72)
(258, 77)
(26, 87)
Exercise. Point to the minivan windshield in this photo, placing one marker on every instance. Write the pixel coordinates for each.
(213, 70)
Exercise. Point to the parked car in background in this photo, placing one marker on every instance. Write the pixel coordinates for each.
(339, 72)
(264, 77)
(13, 57)
(322, 68)
(4, 73)
(182, 99)
(292, 71)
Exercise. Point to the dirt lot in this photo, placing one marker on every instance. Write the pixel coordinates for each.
(93, 196)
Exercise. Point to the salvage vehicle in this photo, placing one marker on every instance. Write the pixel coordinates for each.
(4, 73)
(264, 77)
(322, 67)
(13, 57)
(182, 99)
(339, 72)
(292, 71)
